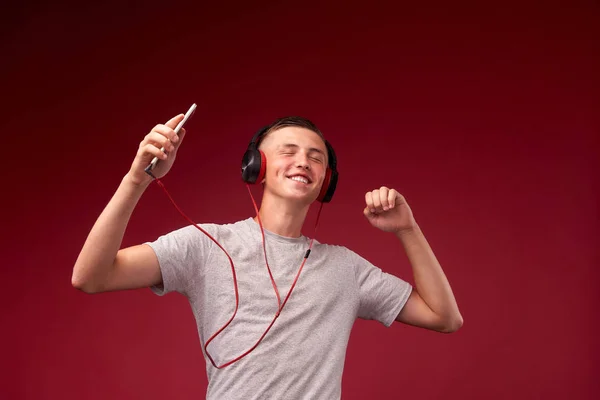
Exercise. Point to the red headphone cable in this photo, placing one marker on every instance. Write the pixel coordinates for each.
(280, 304)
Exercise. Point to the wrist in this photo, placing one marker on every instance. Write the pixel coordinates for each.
(135, 183)
(408, 231)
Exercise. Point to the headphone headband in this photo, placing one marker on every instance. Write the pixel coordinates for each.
(258, 136)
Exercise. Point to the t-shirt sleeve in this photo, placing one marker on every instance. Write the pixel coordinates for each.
(181, 256)
(381, 295)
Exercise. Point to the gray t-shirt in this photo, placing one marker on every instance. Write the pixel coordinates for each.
(302, 356)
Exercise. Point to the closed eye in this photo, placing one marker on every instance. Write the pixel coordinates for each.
(290, 149)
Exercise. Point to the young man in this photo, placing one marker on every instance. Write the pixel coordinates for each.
(273, 321)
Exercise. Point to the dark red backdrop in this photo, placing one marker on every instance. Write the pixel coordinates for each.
(485, 118)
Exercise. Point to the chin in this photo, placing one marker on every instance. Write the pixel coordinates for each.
(297, 196)
(304, 198)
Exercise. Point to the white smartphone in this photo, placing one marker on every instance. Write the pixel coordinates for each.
(187, 116)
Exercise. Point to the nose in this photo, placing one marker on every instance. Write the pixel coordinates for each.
(302, 161)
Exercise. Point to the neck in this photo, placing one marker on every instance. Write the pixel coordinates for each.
(282, 218)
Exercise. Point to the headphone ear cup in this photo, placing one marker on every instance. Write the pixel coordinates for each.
(324, 186)
(254, 165)
(329, 185)
(263, 167)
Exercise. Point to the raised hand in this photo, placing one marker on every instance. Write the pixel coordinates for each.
(161, 136)
(388, 210)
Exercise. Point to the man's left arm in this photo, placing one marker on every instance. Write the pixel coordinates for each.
(431, 304)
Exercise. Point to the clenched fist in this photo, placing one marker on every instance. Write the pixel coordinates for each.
(388, 210)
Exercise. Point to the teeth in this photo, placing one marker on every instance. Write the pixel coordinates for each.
(299, 179)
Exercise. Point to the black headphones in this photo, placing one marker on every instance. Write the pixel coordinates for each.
(254, 166)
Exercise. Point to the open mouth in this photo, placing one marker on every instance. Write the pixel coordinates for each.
(300, 178)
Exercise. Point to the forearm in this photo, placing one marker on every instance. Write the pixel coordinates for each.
(97, 256)
(430, 281)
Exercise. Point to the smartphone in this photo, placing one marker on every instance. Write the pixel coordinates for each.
(187, 116)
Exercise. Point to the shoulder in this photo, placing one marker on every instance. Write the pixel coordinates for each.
(216, 227)
(338, 252)
(350, 258)
(199, 232)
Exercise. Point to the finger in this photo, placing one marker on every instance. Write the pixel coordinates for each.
(158, 137)
(383, 197)
(153, 150)
(172, 123)
(179, 138)
(376, 200)
(392, 198)
(158, 140)
(166, 132)
(369, 201)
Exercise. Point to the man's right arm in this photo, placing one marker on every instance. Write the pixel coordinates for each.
(102, 266)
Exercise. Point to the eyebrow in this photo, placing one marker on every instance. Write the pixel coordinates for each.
(295, 146)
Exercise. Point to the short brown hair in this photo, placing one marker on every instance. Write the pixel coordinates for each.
(292, 121)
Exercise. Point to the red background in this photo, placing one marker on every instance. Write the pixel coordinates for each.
(485, 118)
